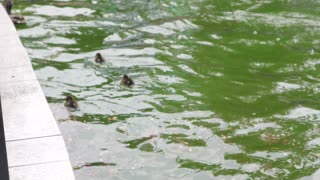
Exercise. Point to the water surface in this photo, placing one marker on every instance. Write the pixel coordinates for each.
(224, 89)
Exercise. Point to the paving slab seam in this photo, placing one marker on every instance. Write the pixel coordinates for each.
(32, 164)
(13, 140)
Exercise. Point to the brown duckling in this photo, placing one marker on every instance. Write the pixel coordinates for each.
(17, 19)
(99, 58)
(8, 5)
(71, 102)
(126, 81)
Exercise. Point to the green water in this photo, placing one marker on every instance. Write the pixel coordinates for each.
(223, 88)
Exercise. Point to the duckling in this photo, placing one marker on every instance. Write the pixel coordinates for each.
(8, 5)
(17, 19)
(71, 102)
(126, 81)
(99, 58)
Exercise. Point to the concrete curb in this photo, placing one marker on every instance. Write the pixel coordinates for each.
(35, 146)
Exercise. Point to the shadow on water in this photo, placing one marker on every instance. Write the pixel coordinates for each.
(223, 89)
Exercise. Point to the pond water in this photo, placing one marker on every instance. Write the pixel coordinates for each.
(223, 89)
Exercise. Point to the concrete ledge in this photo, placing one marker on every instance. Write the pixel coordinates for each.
(35, 146)
(49, 171)
(36, 151)
(25, 111)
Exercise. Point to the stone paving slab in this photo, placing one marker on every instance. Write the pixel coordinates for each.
(9, 40)
(26, 112)
(16, 74)
(49, 171)
(13, 57)
(36, 151)
(4, 20)
(8, 33)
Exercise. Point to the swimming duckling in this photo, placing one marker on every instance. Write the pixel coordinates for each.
(126, 81)
(99, 58)
(8, 6)
(71, 102)
(17, 19)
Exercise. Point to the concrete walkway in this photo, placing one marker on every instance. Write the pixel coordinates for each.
(35, 146)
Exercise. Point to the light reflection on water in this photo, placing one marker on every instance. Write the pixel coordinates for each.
(223, 89)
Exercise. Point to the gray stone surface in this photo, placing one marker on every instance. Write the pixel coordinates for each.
(10, 58)
(12, 52)
(35, 146)
(8, 40)
(26, 112)
(3, 23)
(16, 74)
(48, 171)
(3, 20)
(36, 151)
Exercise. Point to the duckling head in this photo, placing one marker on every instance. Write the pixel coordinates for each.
(99, 58)
(69, 98)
